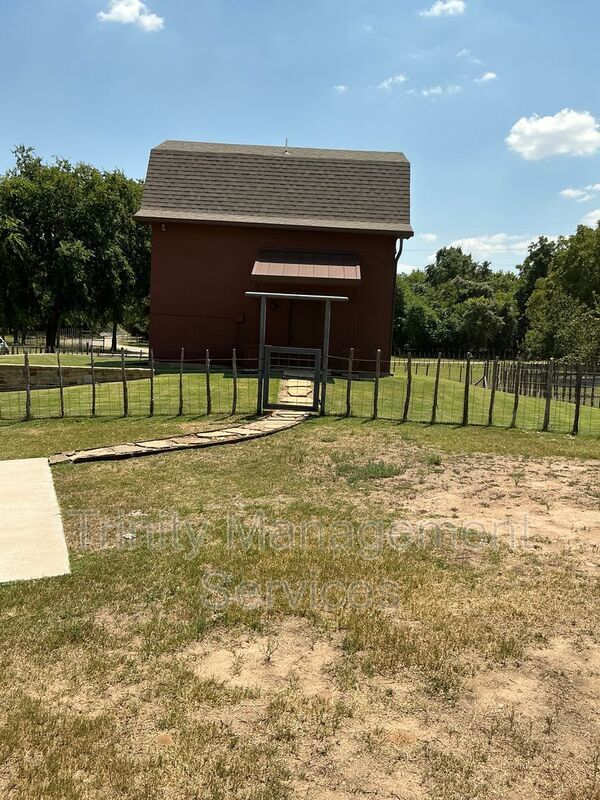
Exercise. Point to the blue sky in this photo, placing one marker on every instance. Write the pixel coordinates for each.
(105, 80)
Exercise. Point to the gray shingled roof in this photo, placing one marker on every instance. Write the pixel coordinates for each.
(295, 187)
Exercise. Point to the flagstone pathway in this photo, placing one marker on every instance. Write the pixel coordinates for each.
(264, 426)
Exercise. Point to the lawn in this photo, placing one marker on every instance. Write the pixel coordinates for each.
(268, 621)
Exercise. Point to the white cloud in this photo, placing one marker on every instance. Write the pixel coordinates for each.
(132, 12)
(487, 246)
(487, 77)
(592, 218)
(592, 187)
(445, 8)
(437, 91)
(575, 133)
(468, 55)
(428, 237)
(573, 194)
(394, 80)
(341, 88)
(581, 195)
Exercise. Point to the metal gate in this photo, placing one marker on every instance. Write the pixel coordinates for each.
(299, 372)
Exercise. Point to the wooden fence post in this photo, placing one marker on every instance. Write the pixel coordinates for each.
(578, 381)
(27, 385)
(61, 388)
(151, 365)
(436, 389)
(235, 382)
(495, 371)
(181, 357)
(349, 383)
(93, 370)
(208, 395)
(465, 416)
(548, 393)
(513, 422)
(125, 389)
(408, 386)
(376, 385)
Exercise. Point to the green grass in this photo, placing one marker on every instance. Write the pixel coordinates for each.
(49, 360)
(359, 473)
(45, 437)
(392, 396)
(45, 403)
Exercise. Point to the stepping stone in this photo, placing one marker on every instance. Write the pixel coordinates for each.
(126, 449)
(158, 444)
(59, 458)
(187, 441)
(97, 454)
(213, 435)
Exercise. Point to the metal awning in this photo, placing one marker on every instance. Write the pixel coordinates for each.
(304, 267)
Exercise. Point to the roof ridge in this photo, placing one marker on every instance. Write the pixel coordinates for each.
(337, 154)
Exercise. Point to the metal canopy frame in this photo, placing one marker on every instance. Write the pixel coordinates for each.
(319, 298)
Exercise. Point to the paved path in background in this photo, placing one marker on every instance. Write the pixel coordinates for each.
(273, 423)
(296, 391)
(32, 541)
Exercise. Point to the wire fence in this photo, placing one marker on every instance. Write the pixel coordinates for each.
(76, 341)
(542, 396)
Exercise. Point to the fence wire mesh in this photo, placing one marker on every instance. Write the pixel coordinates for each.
(553, 396)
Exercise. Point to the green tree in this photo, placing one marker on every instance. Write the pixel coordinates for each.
(563, 311)
(16, 300)
(535, 267)
(84, 258)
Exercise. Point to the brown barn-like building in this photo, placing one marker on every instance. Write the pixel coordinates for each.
(227, 219)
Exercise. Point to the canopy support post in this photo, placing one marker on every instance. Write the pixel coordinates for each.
(261, 353)
(325, 364)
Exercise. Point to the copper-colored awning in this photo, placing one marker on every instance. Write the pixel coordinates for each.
(302, 267)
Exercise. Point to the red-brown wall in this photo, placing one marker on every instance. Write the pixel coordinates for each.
(201, 272)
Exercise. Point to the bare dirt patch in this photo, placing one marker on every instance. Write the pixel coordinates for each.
(546, 504)
(293, 655)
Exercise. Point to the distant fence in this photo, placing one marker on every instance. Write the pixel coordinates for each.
(74, 341)
(542, 396)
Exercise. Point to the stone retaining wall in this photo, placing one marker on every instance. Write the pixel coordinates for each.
(12, 376)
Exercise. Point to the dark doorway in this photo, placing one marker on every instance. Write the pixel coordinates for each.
(306, 324)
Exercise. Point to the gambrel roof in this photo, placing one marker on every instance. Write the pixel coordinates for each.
(294, 187)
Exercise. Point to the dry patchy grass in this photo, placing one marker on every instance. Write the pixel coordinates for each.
(315, 655)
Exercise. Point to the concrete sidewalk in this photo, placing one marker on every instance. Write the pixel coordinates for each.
(32, 541)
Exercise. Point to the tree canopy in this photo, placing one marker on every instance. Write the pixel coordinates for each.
(549, 307)
(70, 251)
(456, 304)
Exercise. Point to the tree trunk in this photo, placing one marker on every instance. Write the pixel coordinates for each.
(51, 335)
(113, 346)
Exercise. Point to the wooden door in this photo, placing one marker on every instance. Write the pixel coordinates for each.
(306, 324)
